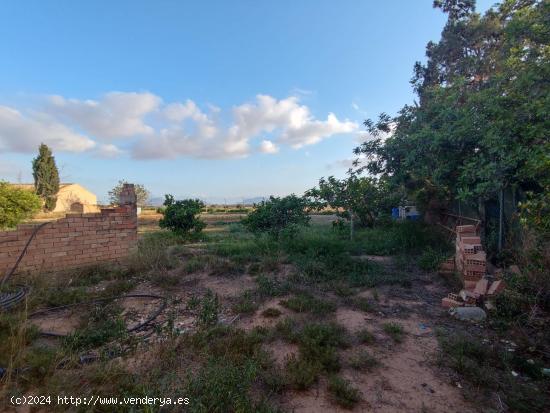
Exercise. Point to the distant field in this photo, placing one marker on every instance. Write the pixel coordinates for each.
(215, 222)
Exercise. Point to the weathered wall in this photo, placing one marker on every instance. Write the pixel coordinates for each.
(73, 241)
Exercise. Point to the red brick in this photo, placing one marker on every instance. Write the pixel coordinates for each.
(450, 303)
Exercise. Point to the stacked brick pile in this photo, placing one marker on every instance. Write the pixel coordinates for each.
(470, 262)
(74, 241)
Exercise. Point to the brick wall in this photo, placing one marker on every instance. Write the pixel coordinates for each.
(74, 241)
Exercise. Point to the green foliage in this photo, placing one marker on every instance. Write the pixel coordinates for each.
(395, 331)
(365, 336)
(220, 387)
(278, 216)
(343, 393)
(142, 194)
(153, 253)
(430, 259)
(16, 205)
(245, 304)
(318, 343)
(103, 326)
(304, 302)
(228, 379)
(489, 367)
(209, 310)
(46, 177)
(300, 373)
(405, 237)
(483, 110)
(363, 361)
(271, 287)
(362, 198)
(181, 217)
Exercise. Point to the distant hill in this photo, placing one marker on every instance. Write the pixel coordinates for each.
(158, 201)
(255, 200)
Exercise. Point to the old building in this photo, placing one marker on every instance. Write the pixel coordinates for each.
(71, 198)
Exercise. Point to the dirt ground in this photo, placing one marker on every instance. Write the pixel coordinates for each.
(407, 378)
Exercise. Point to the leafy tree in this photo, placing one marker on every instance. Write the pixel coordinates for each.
(16, 205)
(46, 177)
(354, 198)
(483, 111)
(142, 194)
(278, 216)
(181, 217)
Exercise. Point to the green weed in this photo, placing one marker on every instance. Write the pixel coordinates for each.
(245, 304)
(303, 302)
(343, 393)
(209, 309)
(363, 361)
(395, 331)
(365, 336)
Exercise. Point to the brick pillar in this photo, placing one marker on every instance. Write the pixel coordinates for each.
(127, 195)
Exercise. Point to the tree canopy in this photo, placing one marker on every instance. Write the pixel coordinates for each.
(46, 177)
(482, 119)
(16, 204)
(142, 194)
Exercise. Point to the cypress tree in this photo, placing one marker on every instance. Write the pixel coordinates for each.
(46, 177)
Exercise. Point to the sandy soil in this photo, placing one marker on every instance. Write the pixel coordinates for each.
(407, 379)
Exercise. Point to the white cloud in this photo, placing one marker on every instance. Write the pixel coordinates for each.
(20, 133)
(118, 114)
(297, 125)
(286, 120)
(108, 151)
(268, 147)
(177, 112)
(151, 129)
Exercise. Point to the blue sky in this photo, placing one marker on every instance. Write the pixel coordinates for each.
(215, 99)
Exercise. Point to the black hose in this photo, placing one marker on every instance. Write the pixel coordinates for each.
(8, 300)
(138, 327)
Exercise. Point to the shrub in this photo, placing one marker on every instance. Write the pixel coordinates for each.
(16, 204)
(430, 259)
(278, 216)
(395, 331)
(301, 373)
(343, 392)
(209, 310)
(304, 302)
(245, 304)
(363, 361)
(181, 217)
(365, 336)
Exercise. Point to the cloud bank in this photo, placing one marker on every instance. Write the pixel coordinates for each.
(143, 126)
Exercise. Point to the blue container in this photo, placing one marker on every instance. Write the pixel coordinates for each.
(395, 213)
